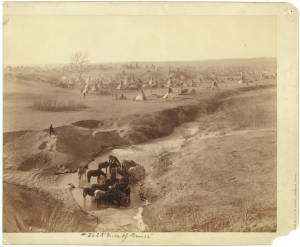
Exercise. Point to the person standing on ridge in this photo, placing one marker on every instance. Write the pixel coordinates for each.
(51, 130)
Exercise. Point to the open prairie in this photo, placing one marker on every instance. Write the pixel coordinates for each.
(207, 151)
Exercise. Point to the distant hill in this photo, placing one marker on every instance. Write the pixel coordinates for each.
(160, 72)
(228, 61)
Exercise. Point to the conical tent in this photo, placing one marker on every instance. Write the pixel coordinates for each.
(166, 96)
(141, 96)
(169, 83)
(120, 86)
(150, 82)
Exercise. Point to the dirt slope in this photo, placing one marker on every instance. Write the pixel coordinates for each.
(22, 213)
(224, 177)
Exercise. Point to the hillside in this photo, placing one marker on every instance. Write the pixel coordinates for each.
(210, 163)
(224, 176)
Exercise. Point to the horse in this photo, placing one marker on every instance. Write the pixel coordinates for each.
(128, 164)
(82, 172)
(103, 187)
(95, 173)
(120, 197)
(88, 191)
(122, 184)
(113, 192)
(103, 165)
(111, 182)
(123, 169)
(99, 197)
(114, 196)
(122, 191)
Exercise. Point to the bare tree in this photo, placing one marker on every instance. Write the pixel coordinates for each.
(79, 62)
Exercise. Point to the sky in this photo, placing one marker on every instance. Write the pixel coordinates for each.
(52, 39)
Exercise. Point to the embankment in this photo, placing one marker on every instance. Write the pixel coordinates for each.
(33, 210)
(75, 144)
(224, 177)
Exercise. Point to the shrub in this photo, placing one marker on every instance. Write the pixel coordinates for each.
(57, 106)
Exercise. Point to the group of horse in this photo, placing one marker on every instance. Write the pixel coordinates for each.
(113, 191)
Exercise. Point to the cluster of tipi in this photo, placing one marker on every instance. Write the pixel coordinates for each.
(141, 95)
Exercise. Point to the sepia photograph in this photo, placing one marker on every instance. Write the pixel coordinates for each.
(138, 122)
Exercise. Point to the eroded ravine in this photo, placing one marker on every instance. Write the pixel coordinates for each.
(127, 218)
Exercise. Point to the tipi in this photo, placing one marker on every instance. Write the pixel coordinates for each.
(141, 96)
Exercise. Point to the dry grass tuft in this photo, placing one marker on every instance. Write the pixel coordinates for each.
(160, 166)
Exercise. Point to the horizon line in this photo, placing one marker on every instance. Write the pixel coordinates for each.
(145, 61)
